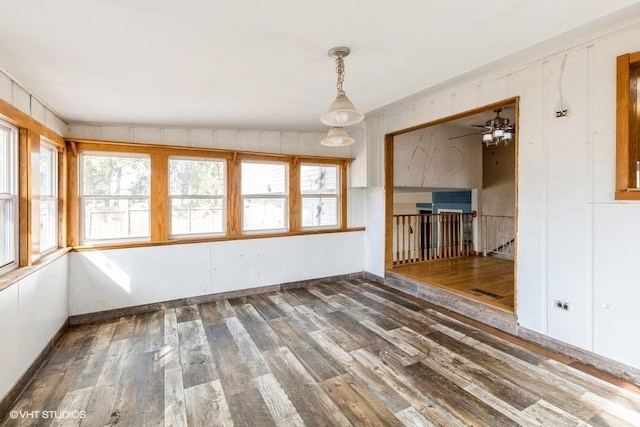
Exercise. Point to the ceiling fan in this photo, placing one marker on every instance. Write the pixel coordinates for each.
(499, 130)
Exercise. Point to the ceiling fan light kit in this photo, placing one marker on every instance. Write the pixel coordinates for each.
(500, 131)
(341, 112)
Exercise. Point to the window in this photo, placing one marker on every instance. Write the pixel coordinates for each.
(264, 196)
(130, 195)
(319, 190)
(48, 197)
(196, 191)
(114, 196)
(628, 128)
(8, 197)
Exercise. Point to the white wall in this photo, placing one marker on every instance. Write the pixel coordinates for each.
(33, 309)
(575, 242)
(19, 97)
(498, 180)
(31, 312)
(106, 280)
(285, 142)
(404, 203)
(427, 158)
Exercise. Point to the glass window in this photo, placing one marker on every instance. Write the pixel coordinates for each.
(114, 196)
(196, 190)
(8, 197)
(48, 197)
(264, 196)
(319, 188)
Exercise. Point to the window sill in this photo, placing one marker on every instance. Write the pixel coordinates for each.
(14, 276)
(630, 194)
(105, 246)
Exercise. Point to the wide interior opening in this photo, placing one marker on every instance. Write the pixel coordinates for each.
(451, 204)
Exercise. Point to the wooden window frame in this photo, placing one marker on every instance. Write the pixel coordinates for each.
(53, 197)
(12, 177)
(81, 196)
(335, 195)
(627, 126)
(29, 133)
(160, 221)
(285, 196)
(222, 197)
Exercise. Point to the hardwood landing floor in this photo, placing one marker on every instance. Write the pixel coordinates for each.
(334, 354)
(485, 279)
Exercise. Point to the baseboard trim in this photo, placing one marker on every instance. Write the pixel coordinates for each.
(106, 315)
(613, 367)
(19, 387)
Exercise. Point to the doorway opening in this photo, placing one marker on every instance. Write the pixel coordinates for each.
(451, 206)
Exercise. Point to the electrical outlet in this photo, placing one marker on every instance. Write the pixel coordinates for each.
(563, 305)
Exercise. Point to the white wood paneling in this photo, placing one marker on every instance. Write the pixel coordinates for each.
(31, 312)
(37, 110)
(492, 91)
(568, 200)
(227, 139)
(464, 99)
(6, 88)
(21, 98)
(175, 136)
(103, 280)
(374, 236)
(12, 367)
(202, 138)
(106, 280)
(116, 133)
(249, 140)
(617, 282)
(147, 134)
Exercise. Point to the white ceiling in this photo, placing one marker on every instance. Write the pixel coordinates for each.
(258, 63)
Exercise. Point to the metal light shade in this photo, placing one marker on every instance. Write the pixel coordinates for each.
(337, 137)
(342, 112)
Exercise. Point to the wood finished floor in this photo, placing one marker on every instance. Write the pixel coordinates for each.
(485, 279)
(334, 354)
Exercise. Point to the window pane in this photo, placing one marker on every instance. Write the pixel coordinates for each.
(196, 177)
(48, 224)
(4, 162)
(264, 213)
(8, 195)
(48, 168)
(191, 216)
(319, 211)
(317, 179)
(115, 218)
(48, 221)
(264, 178)
(7, 227)
(115, 175)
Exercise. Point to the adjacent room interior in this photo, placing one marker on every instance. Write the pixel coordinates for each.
(319, 213)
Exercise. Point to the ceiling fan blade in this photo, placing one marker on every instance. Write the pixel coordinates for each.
(462, 136)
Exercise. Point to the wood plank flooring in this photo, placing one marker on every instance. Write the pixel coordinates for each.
(486, 279)
(334, 354)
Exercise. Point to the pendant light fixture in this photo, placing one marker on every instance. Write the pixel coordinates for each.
(337, 137)
(500, 130)
(341, 112)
